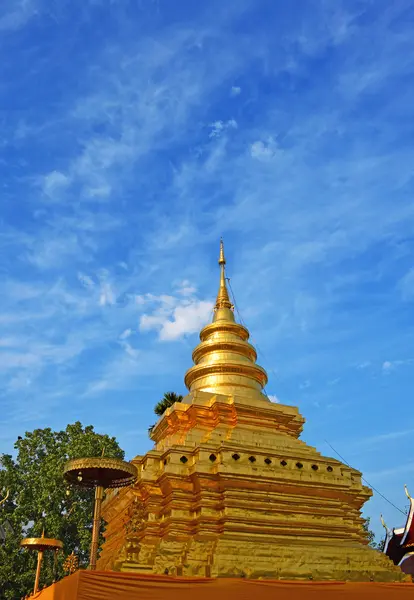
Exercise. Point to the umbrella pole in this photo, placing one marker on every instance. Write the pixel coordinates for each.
(39, 566)
(96, 527)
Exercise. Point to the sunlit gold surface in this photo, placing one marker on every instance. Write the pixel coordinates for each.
(230, 490)
(225, 363)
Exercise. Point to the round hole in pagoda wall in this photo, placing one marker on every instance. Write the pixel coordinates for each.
(252, 459)
(283, 463)
(315, 467)
(268, 461)
(213, 457)
(329, 469)
(299, 465)
(236, 456)
(184, 459)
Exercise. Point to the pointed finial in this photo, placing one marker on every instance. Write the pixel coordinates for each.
(407, 492)
(222, 260)
(43, 533)
(103, 451)
(383, 523)
(223, 300)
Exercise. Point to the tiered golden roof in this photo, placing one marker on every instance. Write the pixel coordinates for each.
(224, 361)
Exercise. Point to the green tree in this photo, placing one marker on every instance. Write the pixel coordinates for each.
(39, 498)
(371, 535)
(168, 400)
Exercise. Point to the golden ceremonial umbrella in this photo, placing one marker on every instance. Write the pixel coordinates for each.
(99, 473)
(40, 544)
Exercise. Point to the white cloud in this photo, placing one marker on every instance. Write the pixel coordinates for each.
(125, 334)
(107, 295)
(264, 151)
(175, 317)
(101, 191)
(54, 182)
(53, 250)
(219, 127)
(364, 365)
(130, 350)
(86, 281)
(186, 320)
(186, 289)
(235, 90)
(273, 398)
(388, 365)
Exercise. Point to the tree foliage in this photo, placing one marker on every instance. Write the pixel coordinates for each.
(39, 498)
(168, 400)
(371, 536)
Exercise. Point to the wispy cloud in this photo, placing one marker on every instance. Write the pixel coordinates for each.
(14, 14)
(403, 469)
(219, 127)
(382, 438)
(390, 365)
(174, 316)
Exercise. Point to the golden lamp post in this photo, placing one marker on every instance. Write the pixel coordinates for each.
(99, 473)
(40, 544)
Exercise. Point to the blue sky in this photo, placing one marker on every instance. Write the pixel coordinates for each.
(133, 135)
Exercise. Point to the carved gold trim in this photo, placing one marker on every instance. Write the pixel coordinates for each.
(253, 371)
(225, 326)
(242, 348)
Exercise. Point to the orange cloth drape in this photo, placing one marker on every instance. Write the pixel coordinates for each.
(107, 585)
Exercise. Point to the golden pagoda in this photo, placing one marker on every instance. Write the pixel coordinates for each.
(230, 490)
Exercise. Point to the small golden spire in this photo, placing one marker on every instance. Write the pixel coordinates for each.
(223, 300)
(407, 493)
(222, 260)
(224, 361)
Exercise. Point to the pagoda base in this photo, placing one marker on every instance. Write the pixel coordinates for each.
(253, 560)
(230, 491)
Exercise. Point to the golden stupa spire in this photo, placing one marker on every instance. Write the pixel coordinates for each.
(224, 361)
(223, 308)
